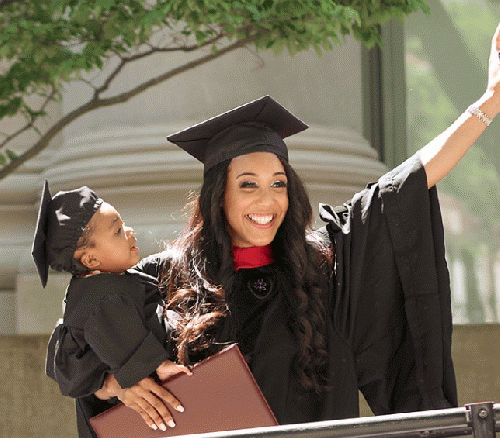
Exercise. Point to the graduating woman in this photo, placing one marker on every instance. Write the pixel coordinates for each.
(363, 303)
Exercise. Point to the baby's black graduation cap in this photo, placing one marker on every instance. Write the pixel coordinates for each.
(61, 221)
(257, 126)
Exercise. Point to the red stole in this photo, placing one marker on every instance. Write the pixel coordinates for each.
(253, 257)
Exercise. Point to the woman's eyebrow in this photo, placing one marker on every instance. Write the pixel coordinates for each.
(254, 174)
(246, 173)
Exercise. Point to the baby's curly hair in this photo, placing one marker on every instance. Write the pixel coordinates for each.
(85, 239)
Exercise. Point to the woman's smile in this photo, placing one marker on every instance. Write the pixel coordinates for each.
(261, 219)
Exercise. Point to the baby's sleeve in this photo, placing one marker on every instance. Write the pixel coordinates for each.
(117, 333)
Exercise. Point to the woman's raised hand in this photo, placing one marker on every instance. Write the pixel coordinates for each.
(440, 155)
(494, 64)
(146, 397)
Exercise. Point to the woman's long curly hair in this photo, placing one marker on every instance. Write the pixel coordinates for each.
(201, 270)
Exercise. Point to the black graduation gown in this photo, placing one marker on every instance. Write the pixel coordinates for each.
(112, 323)
(389, 331)
(390, 325)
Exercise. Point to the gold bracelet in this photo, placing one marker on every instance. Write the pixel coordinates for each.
(475, 111)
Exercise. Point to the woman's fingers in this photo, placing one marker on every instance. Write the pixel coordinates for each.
(150, 400)
(161, 396)
(494, 61)
(102, 394)
(168, 369)
(147, 398)
(151, 409)
(153, 424)
(496, 39)
(110, 388)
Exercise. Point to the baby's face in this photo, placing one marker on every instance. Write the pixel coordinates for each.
(113, 243)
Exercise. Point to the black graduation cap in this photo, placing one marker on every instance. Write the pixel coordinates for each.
(61, 220)
(256, 126)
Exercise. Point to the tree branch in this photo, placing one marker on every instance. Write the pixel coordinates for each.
(30, 122)
(95, 103)
(109, 79)
(130, 59)
(11, 137)
(192, 47)
(178, 70)
(187, 48)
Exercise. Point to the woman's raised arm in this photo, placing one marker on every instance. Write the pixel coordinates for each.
(445, 151)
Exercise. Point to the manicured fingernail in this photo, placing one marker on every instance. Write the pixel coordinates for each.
(180, 408)
(163, 427)
(154, 427)
(171, 423)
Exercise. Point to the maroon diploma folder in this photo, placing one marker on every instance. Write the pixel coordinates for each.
(221, 394)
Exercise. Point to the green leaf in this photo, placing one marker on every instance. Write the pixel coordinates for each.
(104, 4)
(200, 35)
(317, 48)
(11, 107)
(12, 156)
(3, 160)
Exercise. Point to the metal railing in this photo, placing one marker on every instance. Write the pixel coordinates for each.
(480, 420)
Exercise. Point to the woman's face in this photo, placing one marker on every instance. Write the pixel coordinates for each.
(255, 199)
